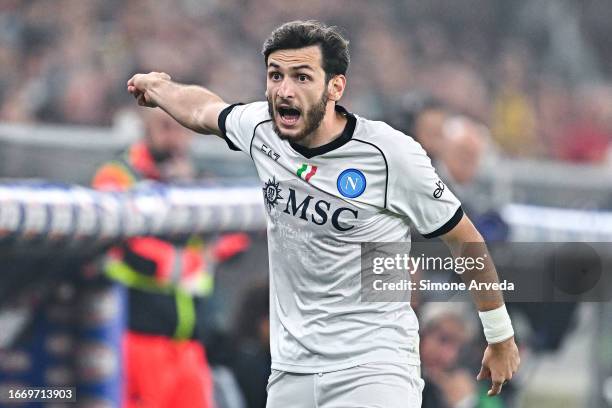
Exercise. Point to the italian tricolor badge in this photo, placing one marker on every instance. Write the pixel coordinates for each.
(306, 171)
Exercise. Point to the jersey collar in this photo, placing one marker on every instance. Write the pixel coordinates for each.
(347, 134)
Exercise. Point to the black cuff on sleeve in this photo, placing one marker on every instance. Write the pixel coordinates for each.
(450, 224)
(221, 122)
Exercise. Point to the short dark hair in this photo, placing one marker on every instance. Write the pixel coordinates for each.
(413, 105)
(300, 34)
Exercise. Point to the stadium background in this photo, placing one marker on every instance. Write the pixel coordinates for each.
(535, 73)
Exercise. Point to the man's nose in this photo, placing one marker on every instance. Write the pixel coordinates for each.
(285, 89)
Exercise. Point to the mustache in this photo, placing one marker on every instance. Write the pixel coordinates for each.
(286, 105)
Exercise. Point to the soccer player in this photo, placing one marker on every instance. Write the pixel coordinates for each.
(332, 180)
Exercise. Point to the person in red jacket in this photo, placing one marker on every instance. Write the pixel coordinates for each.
(165, 366)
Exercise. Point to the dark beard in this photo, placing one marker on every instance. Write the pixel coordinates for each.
(313, 118)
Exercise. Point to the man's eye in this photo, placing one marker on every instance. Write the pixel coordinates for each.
(275, 76)
(302, 78)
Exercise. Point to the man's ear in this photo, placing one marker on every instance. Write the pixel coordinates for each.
(335, 87)
(266, 93)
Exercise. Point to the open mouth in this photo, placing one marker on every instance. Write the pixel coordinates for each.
(289, 116)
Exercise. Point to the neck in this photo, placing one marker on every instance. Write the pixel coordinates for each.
(331, 127)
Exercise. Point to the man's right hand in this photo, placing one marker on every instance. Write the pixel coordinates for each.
(192, 106)
(140, 86)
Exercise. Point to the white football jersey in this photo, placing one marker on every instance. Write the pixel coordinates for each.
(367, 185)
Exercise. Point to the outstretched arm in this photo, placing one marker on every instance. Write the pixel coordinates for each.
(192, 106)
(501, 357)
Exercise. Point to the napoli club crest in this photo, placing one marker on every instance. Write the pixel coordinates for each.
(351, 183)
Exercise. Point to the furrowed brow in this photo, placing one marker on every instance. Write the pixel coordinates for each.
(305, 66)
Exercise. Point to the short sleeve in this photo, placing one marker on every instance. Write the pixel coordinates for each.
(237, 123)
(415, 190)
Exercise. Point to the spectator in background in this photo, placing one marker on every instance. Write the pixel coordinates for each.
(50, 60)
(589, 136)
(445, 329)
(513, 119)
(468, 152)
(423, 118)
(553, 101)
(252, 360)
(460, 87)
(165, 364)
(461, 149)
(463, 146)
(457, 144)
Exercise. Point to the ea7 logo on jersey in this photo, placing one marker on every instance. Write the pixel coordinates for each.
(351, 183)
(439, 189)
(269, 152)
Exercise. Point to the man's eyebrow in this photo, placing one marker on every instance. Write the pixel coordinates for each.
(305, 66)
(297, 67)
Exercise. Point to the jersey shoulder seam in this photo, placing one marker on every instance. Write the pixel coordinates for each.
(386, 166)
(253, 137)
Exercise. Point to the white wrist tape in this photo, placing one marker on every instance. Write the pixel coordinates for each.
(496, 324)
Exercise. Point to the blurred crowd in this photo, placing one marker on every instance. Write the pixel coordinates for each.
(535, 72)
(527, 78)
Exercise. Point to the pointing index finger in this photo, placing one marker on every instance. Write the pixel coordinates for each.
(496, 388)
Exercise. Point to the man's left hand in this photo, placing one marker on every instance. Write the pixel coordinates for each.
(500, 362)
